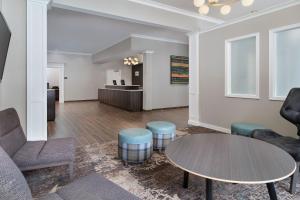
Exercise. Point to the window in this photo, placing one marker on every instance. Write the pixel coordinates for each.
(242, 67)
(284, 60)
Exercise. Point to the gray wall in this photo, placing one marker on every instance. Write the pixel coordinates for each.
(13, 85)
(117, 51)
(164, 94)
(218, 110)
(85, 77)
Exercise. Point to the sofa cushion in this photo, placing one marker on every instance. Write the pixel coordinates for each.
(9, 120)
(12, 137)
(28, 154)
(42, 154)
(289, 144)
(58, 150)
(94, 187)
(13, 185)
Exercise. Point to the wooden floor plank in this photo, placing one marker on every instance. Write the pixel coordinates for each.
(91, 122)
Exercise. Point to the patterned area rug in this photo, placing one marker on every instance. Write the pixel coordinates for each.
(157, 179)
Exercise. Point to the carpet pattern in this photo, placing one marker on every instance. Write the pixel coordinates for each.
(157, 179)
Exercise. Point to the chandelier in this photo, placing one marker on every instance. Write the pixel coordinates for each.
(131, 61)
(224, 5)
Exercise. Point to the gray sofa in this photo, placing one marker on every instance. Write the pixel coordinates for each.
(37, 154)
(13, 186)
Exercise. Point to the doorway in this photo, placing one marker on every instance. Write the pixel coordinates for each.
(55, 80)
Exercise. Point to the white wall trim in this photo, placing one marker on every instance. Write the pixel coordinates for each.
(273, 60)
(147, 79)
(194, 72)
(69, 53)
(173, 9)
(157, 38)
(55, 65)
(36, 69)
(148, 51)
(209, 126)
(266, 11)
(228, 42)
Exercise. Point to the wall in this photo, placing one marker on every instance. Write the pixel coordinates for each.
(53, 77)
(218, 110)
(84, 77)
(117, 51)
(164, 94)
(13, 85)
(118, 73)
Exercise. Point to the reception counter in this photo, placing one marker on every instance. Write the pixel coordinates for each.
(127, 97)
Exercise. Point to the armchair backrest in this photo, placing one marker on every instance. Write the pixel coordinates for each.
(12, 137)
(13, 185)
(290, 109)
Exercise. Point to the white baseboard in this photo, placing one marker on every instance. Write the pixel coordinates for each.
(210, 126)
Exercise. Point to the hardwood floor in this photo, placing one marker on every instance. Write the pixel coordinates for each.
(91, 122)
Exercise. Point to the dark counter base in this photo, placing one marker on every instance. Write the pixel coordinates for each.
(127, 100)
(51, 105)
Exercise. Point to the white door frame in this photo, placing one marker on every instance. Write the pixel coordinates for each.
(61, 68)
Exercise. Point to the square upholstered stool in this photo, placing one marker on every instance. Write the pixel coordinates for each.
(163, 133)
(135, 145)
(245, 129)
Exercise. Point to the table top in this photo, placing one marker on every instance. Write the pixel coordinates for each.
(230, 158)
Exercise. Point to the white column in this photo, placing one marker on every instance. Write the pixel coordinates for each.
(147, 80)
(194, 108)
(36, 69)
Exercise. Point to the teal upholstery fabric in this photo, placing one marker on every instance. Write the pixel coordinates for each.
(163, 133)
(135, 136)
(135, 145)
(161, 127)
(245, 129)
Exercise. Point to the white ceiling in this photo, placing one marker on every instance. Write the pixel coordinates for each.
(72, 31)
(237, 9)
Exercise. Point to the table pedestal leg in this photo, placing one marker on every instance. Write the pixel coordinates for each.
(209, 195)
(272, 191)
(185, 179)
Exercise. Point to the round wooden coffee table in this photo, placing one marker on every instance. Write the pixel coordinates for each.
(232, 159)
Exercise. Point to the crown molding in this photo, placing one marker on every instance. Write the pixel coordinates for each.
(190, 34)
(44, 2)
(157, 38)
(266, 11)
(173, 9)
(148, 52)
(69, 53)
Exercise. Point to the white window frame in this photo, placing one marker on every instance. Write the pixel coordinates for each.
(273, 61)
(228, 42)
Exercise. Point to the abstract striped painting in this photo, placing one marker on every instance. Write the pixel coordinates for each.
(179, 69)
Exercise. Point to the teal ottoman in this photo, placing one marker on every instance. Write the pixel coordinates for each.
(244, 129)
(135, 145)
(163, 133)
